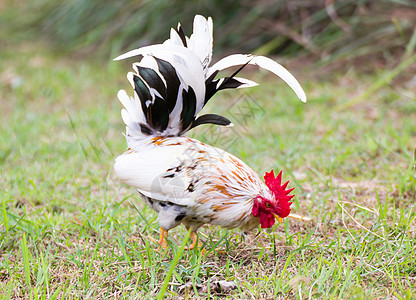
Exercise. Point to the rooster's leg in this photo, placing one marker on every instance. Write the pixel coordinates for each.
(162, 240)
(194, 238)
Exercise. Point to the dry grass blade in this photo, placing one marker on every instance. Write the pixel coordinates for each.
(299, 217)
(358, 223)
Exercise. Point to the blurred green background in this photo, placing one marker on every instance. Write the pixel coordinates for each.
(325, 30)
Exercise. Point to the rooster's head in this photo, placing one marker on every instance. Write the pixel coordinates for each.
(267, 210)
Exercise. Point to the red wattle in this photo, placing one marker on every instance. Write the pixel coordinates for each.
(266, 220)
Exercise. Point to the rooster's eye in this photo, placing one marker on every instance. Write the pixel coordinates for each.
(268, 204)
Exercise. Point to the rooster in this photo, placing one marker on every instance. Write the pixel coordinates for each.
(184, 180)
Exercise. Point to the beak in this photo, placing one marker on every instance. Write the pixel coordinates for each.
(279, 219)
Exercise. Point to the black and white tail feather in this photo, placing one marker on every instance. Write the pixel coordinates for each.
(173, 81)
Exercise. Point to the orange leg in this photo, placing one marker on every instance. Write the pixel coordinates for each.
(194, 238)
(162, 240)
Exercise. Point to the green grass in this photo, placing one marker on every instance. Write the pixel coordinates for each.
(70, 230)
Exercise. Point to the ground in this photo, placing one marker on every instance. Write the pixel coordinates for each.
(70, 230)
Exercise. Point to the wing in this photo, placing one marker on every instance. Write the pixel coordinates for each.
(164, 170)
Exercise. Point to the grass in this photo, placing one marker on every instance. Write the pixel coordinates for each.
(69, 230)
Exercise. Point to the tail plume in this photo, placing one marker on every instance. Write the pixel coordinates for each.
(173, 81)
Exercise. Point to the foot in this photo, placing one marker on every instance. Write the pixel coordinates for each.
(195, 243)
(194, 238)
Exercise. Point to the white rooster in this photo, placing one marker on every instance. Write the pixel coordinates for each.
(182, 179)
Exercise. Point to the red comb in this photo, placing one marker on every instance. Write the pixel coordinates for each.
(280, 192)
